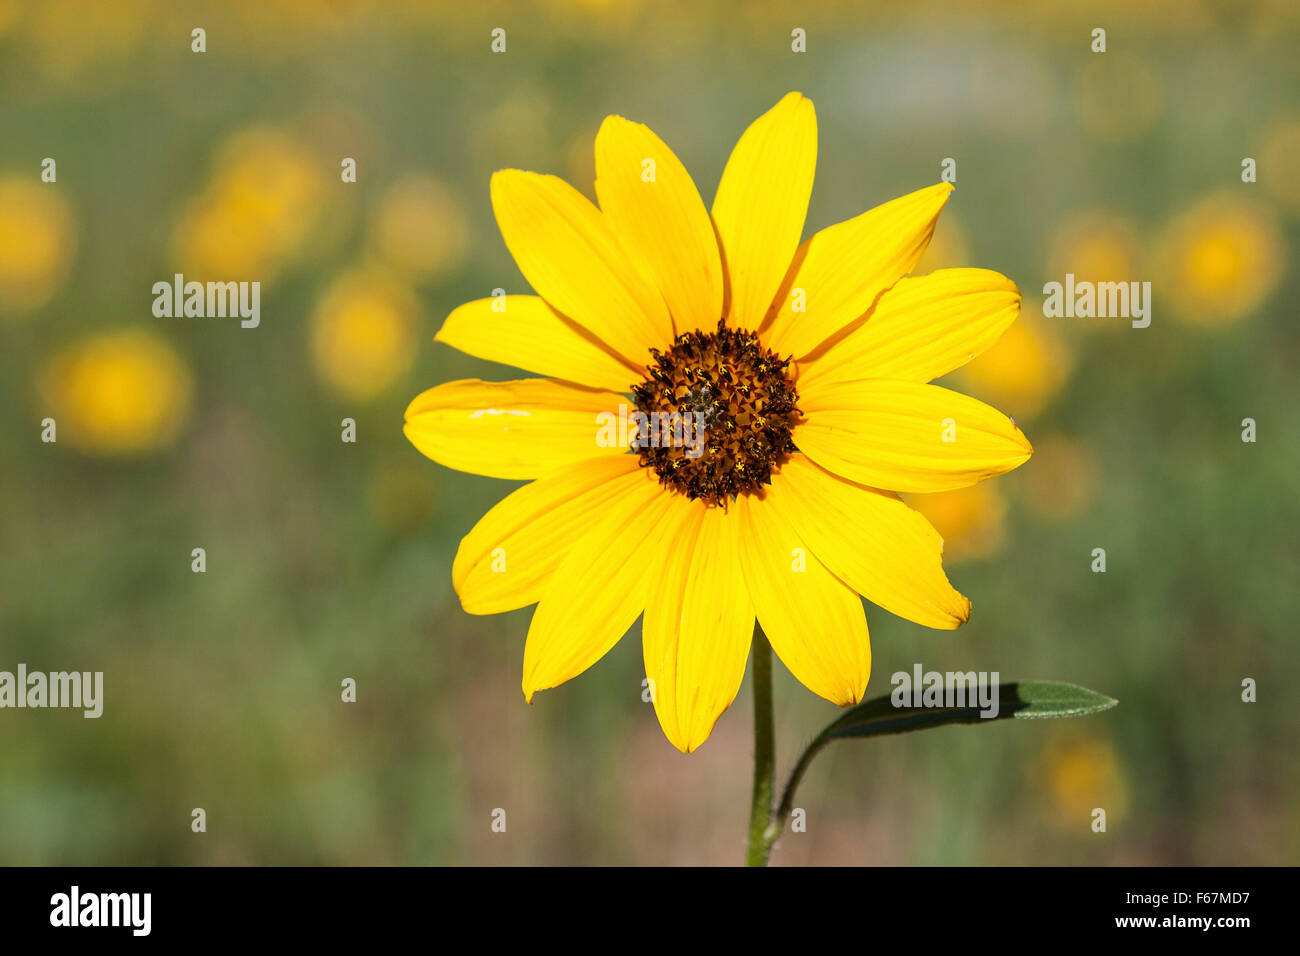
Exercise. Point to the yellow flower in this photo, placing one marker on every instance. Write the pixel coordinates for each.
(1083, 774)
(36, 239)
(418, 229)
(257, 214)
(69, 39)
(803, 365)
(118, 393)
(1220, 260)
(363, 333)
(1095, 247)
(9, 14)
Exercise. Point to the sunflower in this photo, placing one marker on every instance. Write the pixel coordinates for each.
(805, 368)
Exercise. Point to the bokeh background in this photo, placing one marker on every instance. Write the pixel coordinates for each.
(328, 560)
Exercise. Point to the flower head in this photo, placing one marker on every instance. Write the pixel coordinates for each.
(118, 393)
(259, 212)
(36, 241)
(362, 330)
(1221, 259)
(779, 396)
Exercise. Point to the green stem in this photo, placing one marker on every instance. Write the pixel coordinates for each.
(763, 827)
(796, 776)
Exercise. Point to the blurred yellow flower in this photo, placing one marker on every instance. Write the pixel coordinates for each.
(970, 520)
(1220, 260)
(1083, 774)
(67, 37)
(1022, 371)
(1095, 247)
(36, 242)
(117, 393)
(1063, 480)
(418, 228)
(363, 333)
(607, 18)
(256, 214)
(1277, 164)
(8, 15)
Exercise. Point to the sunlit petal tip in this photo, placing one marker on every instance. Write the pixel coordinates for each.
(761, 204)
(962, 614)
(507, 558)
(470, 602)
(654, 208)
(1022, 440)
(675, 738)
(532, 683)
(941, 192)
(844, 269)
(697, 630)
(613, 121)
(849, 696)
(922, 328)
(952, 616)
(457, 581)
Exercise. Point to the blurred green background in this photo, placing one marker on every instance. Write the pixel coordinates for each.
(328, 560)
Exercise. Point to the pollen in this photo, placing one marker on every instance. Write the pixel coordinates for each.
(739, 406)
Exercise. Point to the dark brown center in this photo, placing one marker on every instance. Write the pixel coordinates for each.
(716, 415)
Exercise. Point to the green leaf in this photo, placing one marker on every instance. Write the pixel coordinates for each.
(1027, 700)
(1023, 700)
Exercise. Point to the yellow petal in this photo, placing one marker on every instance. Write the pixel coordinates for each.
(761, 203)
(843, 268)
(871, 541)
(698, 623)
(813, 620)
(650, 200)
(599, 588)
(566, 250)
(523, 331)
(922, 328)
(506, 559)
(520, 429)
(905, 436)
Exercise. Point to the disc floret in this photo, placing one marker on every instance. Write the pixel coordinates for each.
(738, 394)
